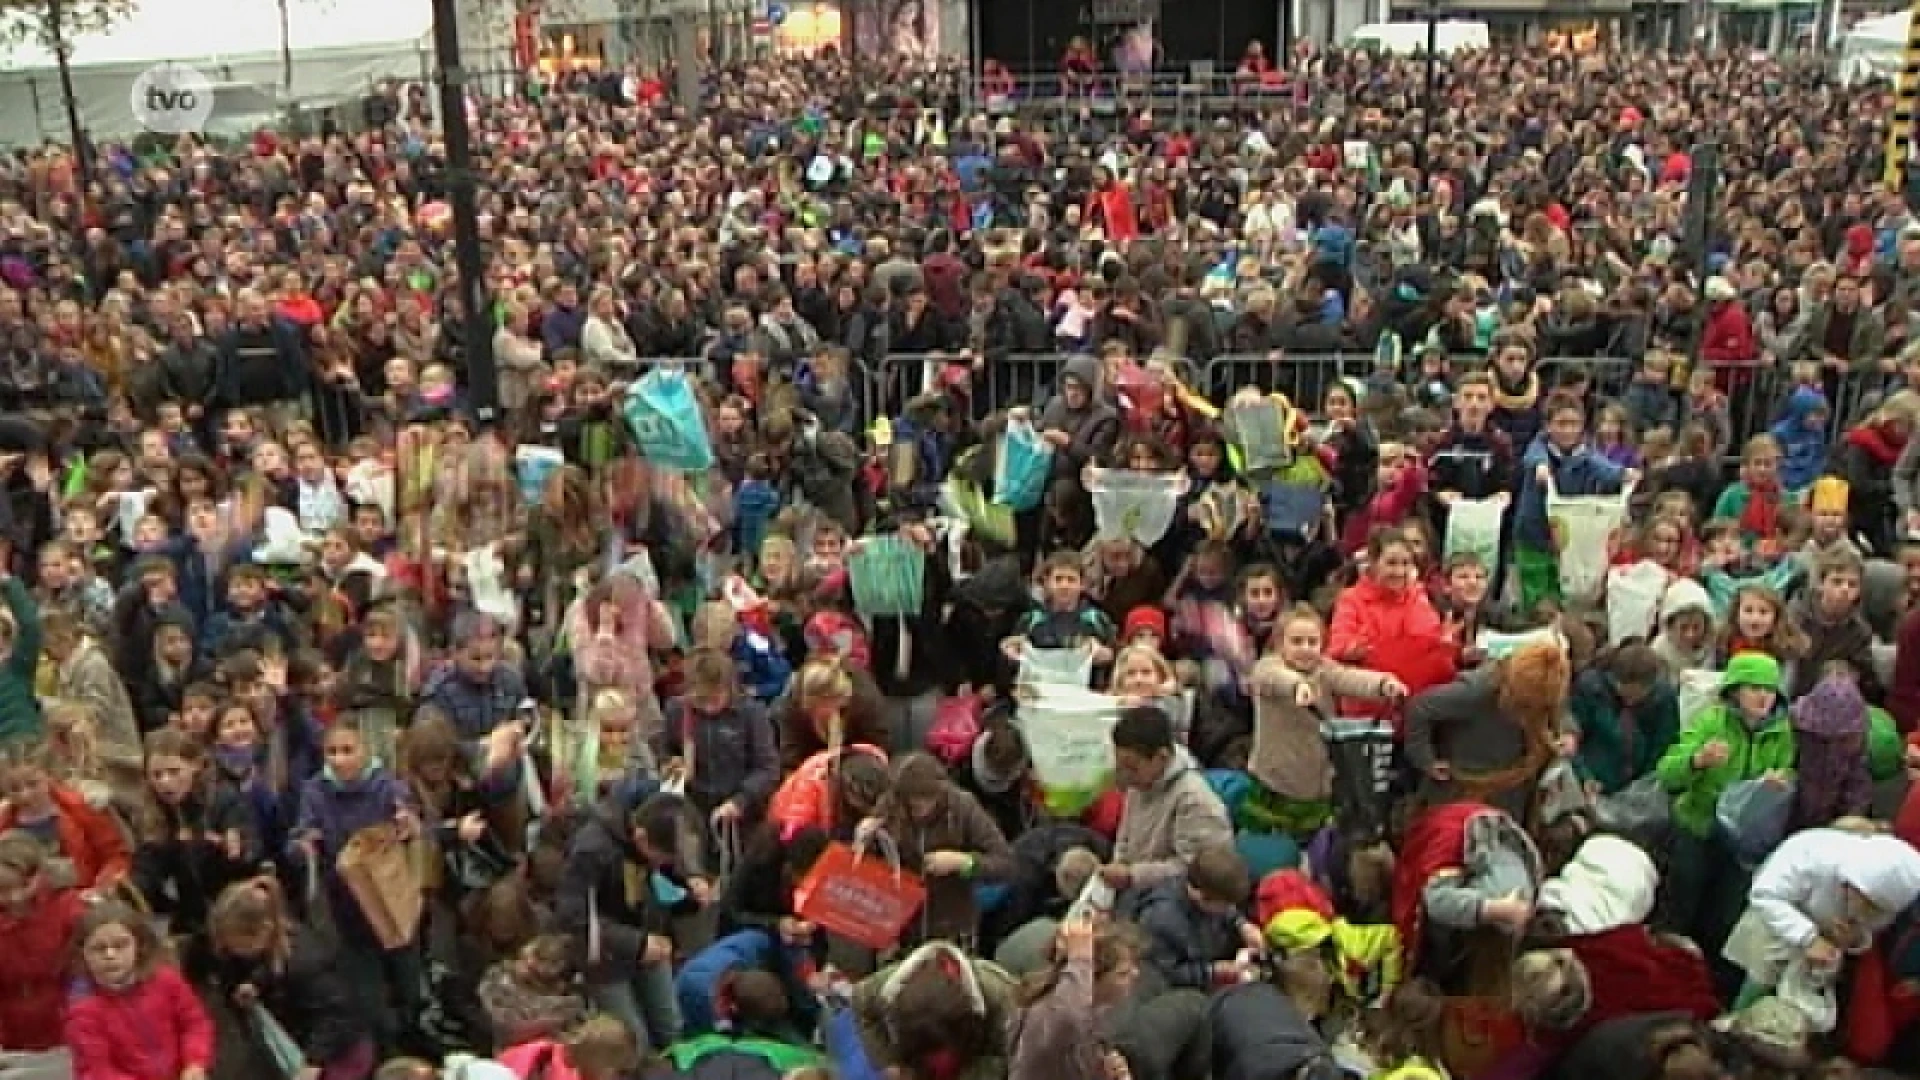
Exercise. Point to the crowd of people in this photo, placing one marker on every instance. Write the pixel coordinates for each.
(914, 621)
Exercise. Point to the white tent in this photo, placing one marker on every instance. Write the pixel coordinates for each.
(1874, 48)
(340, 49)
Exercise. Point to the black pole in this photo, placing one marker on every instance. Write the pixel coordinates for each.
(483, 380)
(1433, 91)
(82, 153)
(1703, 187)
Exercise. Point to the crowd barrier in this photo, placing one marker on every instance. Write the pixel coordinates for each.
(1756, 396)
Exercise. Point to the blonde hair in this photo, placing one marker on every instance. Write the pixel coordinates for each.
(611, 701)
(823, 677)
(602, 1047)
(712, 619)
(1161, 665)
(1551, 989)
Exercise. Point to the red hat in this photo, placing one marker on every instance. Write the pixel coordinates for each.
(1144, 619)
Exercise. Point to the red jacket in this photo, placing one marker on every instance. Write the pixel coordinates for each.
(33, 970)
(1112, 208)
(87, 836)
(1729, 340)
(153, 1030)
(1398, 633)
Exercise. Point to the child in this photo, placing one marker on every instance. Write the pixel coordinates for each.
(722, 748)
(1648, 401)
(1613, 437)
(258, 954)
(1092, 969)
(1350, 451)
(1743, 736)
(1827, 504)
(380, 682)
(530, 995)
(1295, 688)
(1561, 460)
(356, 792)
(88, 848)
(1830, 751)
(1685, 641)
(20, 644)
(318, 503)
(755, 503)
(194, 836)
(1828, 614)
(133, 1016)
(1465, 867)
(1760, 624)
(1802, 437)
(1066, 618)
(1141, 676)
(251, 619)
(1196, 937)
(1707, 404)
(602, 1049)
(1123, 576)
(620, 760)
(1755, 499)
(159, 693)
(1401, 482)
(37, 921)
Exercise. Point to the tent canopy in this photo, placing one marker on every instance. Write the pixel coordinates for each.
(190, 30)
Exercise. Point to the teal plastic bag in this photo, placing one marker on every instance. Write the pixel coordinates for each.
(888, 574)
(1022, 467)
(666, 421)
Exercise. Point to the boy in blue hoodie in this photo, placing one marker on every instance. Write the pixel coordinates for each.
(1559, 458)
(1802, 435)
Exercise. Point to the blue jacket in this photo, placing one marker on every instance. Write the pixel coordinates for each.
(1583, 471)
(699, 981)
(338, 810)
(1803, 447)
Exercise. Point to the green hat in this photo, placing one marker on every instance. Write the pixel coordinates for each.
(1752, 669)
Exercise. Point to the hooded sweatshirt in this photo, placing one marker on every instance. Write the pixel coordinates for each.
(1756, 748)
(1799, 889)
(1164, 825)
(1830, 741)
(1803, 446)
(1682, 596)
(1092, 427)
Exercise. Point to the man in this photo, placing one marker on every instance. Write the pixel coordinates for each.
(1171, 813)
(476, 690)
(261, 363)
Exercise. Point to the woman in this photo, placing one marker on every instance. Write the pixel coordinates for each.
(1626, 713)
(1490, 735)
(946, 836)
(604, 341)
(519, 358)
(1873, 459)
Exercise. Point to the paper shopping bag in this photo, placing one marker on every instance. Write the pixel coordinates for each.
(384, 877)
(867, 900)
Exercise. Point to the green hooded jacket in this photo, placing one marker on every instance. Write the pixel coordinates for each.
(1755, 751)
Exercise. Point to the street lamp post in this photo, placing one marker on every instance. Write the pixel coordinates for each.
(1432, 101)
(483, 382)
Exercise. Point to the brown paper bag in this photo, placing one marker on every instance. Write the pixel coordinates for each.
(384, 876)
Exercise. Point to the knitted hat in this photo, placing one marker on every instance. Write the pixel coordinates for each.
(1144, 619)
(1752, 669)
(1832, 708)
(1829, 495)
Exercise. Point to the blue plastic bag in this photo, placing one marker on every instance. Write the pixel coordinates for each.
(1752, 818)
(1022, 467)
(844, 1047)
(667, 423)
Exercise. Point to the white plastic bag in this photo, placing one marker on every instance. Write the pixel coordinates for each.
(1139, 505)
(1474, 525)
(1699, 691)
(1069, 737)
(487, 584)
(1633, 600)
(1071, 668)
(1585, 523)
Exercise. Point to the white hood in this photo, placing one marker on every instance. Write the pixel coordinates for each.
(1609, 884)
(1886, 869)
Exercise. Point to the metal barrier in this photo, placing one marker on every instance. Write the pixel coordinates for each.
(1028, 379)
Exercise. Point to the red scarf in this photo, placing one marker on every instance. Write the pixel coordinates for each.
(1762, 512)
(1878, 443)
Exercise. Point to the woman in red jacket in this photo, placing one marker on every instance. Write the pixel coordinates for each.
(133, 1016)
(1111, 207)
(89, 849)
(37, 922)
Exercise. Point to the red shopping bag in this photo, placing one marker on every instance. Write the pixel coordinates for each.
(869, 901)
(956, 724)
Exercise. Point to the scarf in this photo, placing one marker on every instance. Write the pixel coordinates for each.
(1761, 514)
(1877, 443)
(1516, 400)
